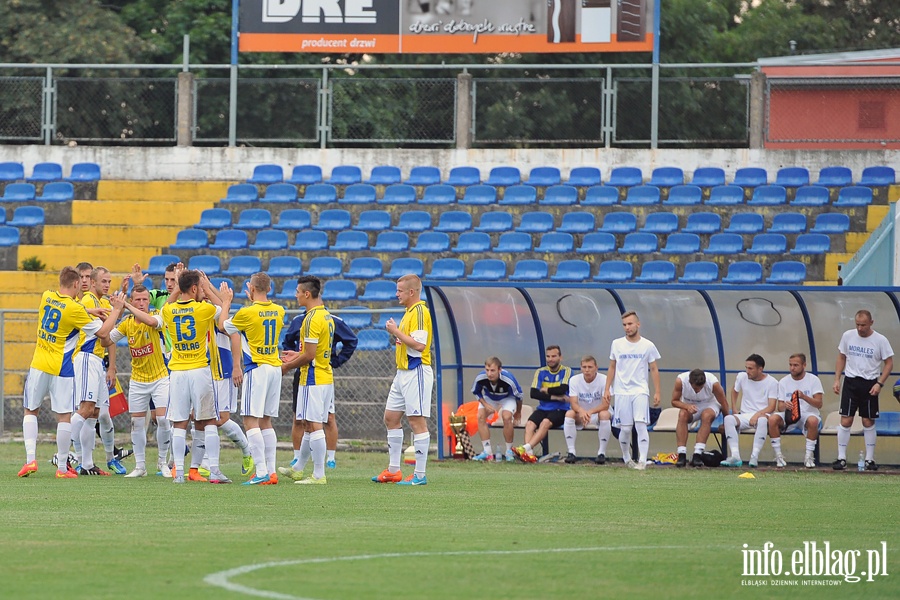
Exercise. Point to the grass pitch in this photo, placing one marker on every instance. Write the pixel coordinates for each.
(476, 531)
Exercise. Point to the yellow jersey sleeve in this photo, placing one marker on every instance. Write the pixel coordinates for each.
(415, 319)
(259, 325)
(318, 328)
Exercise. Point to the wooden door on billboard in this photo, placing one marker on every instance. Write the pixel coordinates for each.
(630, 21)
(561, 21)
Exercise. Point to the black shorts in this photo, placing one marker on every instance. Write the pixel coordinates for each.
(295, 388)
(556, 417)
(855, 396)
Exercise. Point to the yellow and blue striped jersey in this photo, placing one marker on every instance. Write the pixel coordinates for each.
(221, 362)
(318, 328)
(260, 326)
(89, 342)
(148, 362)
(188, 323)
(416, 318)
(62, 319)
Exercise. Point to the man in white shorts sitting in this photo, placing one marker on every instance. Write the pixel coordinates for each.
(759, 394)
(699, 397)
(587, 408)
(497, 391)
(811, 393)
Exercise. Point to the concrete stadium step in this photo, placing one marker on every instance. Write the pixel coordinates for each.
(14, 383)
(169, 191)
(116, 259)
(17, 355)
(105, 235)
(19, 327)
(136, 212)
(27, 300)
(29, 281)
(832, 261)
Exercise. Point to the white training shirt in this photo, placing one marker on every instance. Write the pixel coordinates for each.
(865, 355)
(809, 385)
(756, 394)
(704, 396)
(632, 364)
(589, 394)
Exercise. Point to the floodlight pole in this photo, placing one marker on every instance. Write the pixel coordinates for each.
(654, 85)
(233, 72)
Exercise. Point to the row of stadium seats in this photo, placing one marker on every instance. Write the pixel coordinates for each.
(24, 216)
(557, 195)
(581, 176)
(48, 171)
(60, 191)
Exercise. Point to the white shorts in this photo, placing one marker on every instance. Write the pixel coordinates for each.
(261, 392)
(141, 393)
(90, 380)
(226, 395)
(191, 390)
(713, 406)
(743, 421)
(801, 424)
(314, 402)
(508, 404)
(411, 392)
(61, 389)
(631, 408)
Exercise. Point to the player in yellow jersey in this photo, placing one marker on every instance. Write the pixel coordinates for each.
(188, 322)
(411, 389)
(62, 318)
(255, 330)
(315, 396)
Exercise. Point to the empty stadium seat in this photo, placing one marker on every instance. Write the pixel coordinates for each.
(46, 171)
(831, 223)
(544, 176)
(288, 290)
(530, 270)
(241, 193)
(618, 222)
(812, 243)
(159, 263)
(745, 223)
(743, 271)
(792, 176)
(504, 176)
(615, 271)
(399, 193)
(514, 242)
(18, 192)
(454, 221)
(788, 223)
(556, 242)
(597, 242)
(293, 219)
(333, 219)
(189, 239)
(488, 269)
(725, 195)
(414, 221)
(850, 196)
(438, 194)
(364, 267)
(381, 319)
(811, 195)
(9, 236)
(27, 216)
(391, 241)
(266, 174)
(270, 239)
(656, 271)
(625, 177)
(708, 177)
(472, 242)
(356, 317)
(750, 177)
(11, 171)
(373, 340)
(254, 218)
(639, 243)
(559, 195)
(703, 223)
(642, 195)
(424, 176)
(878, 176)
(229, 239)
(320, 193)
(725, 243)
(768, 243)
(281, 193)
(405, 266)
(684, 195)
(447, 268)
(601, 195)
(572, 270)
(339, 290)
(2, 216)
(576, 222)
(350, 241)
(478, 195)
(325, 267)
(58, 191)
(308, 241)
(700, 272)
(535, 222)
(835, 177)
(379, 291)
(384, 175)
(768, 195)
(208, 263)
(495, 222)
(214, 218)
(682, 243)
(519, 195)
(305, 175)
(358, 193)
(243, 266)
(373, 220)
(432, 241)
(284, 266)
(345, 175)
(787, 271)
(660, 223)
(584, 176)
(463, 176)
(666, 177)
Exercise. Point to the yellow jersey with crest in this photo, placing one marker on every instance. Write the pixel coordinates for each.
(188, 324)
(88, 342)
(318, 328)
(148, 362)
(260, 327)
(416, 318)
(61, 320)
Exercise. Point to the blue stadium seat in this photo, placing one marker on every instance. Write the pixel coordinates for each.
(682, 243)
(535, 222)
(597, 242)
(725, 195)
(745, 223)
(284, 266)
(454, 221)
(293, 219)
(405, 266)
(333, 219)
(373, 340)
(381, 319)
(878, 176)
(888, 423)
(848, 196)
(325, 267)
(530, 270)
(373, 220)
(618, 222)
(46, 171)
(208, 263)
(684, 195)
(270, 239)
(473, 242)
(788, 223)
(792, 176)
(504, 176)
(743, 271)
(488, 269)
(350, 241)
(189, 239)
(584, 176)
(495, 222)
(660, 223)
(281, 193)
(837, 223)
(725, 243)
(399, 193)
(601, 195)
(625, 177)
(214, 218)
(560, 195)
(708, 177)
(356, 317)
(229, 239)
(835, 177)
(243, 266)
(438, 194)
(288, 290)
(576, 222)
(11, 171)
(572, 270)
(414, 221)
(703, 223)
(768, 243)
(241, 193)
(58, 191)
(812, 243)
(463, 176)
(320, 193)
(656, 271)
(478, 195)
(391, 241)
(768, 195)
(305, 175)
(811, 195)
(379, 291)
(750, 177)
(556, 242)
(309, 241)
(666, 177)
(544, 176)
(253, 218)
(519, 195)
(339, 290)
(642, 195)
(615, 271)
(787, 271)
(514, 242)
(384, 175)
(266, 174)
(358, 193)
(432, 241)
(2, 216)
(18, 192)
(159, 263)
(9, 236)
(345, 175)
(27, 216)
(447, 268)
(424, 176)
(700, 272)
(364, 267)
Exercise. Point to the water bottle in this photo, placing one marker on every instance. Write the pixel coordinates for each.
(861, 465)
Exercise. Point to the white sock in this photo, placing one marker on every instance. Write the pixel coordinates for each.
(298, 451)
(305, 453)
(528, 448)
(699, 448)
(107, 433)
(234, 433)
(604, 432)
(63, 439)
(569, 432)
(87, 443)
(776, 445)
(681, 450)
(163, 437)
(810, 446)
(198, 446)
(329, 456)
(509, 446)
(212, 446)
(625, 442)
(643, 440)
(731, 434)
(869, 435)
(179, 443)
(395, 449)
(258, 451)
(77, 422)
(843, 439)
(421, 442)
(487, 447)
(29, 432)
(759, 438)
(139, 441)
(317, 446)
(271, 441)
